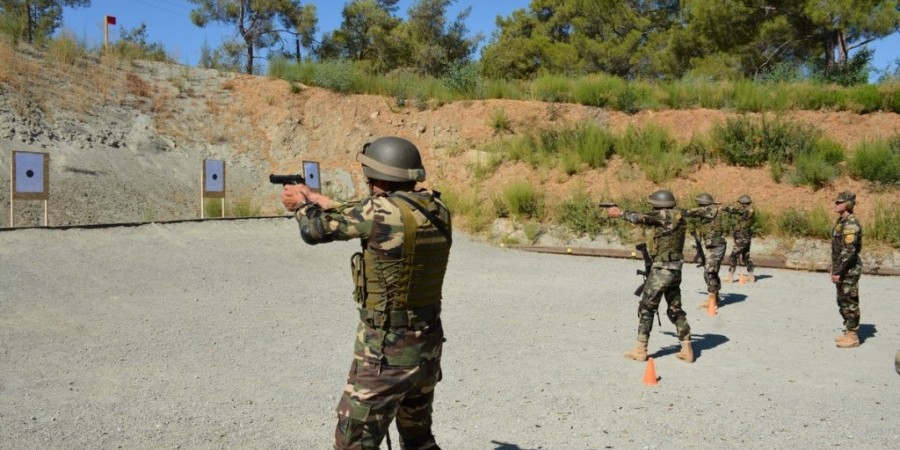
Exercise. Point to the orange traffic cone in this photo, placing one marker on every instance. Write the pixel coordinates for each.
(712, 308)
(650, 373)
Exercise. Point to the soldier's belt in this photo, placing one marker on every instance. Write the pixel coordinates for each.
(415, 319)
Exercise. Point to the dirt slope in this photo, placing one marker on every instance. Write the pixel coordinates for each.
(126, 140)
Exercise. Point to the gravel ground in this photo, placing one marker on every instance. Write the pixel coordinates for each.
(233, 334)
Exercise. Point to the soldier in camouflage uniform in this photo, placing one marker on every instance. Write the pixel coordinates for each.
(710, 230)
(743, 234)
(405, 235)
(846, 266)
(665, 243)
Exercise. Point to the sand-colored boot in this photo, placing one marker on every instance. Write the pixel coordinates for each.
(850, 340)
(709, 299)
(639, 353)
(728, 278)
(687, 352)
(841, 337)
(750, 277)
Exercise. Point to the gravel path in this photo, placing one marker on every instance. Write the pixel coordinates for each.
(233, 334)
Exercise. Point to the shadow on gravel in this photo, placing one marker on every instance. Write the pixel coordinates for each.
(865, 331)
(758, 277)
(699, 342)
(731, 298)
(507, 446)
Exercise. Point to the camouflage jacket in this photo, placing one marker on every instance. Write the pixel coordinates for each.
(377, 222)
(665, 237)
(710, 226)
(744, 227)
(846, 243)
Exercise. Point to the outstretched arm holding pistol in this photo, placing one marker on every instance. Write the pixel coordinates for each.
(297, 194)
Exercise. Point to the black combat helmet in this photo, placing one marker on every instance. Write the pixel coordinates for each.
(662, 199)
(704, 199)
(745, 199)
(392, 158)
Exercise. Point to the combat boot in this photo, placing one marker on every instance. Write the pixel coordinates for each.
(750, 277)
(687, 352)
(639, 353)
(850, 340)
(709, 299)
(841, 337)
(728, 278)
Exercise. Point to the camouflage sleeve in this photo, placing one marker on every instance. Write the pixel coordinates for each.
(651, 219)
(701, 213)
(849, 248)
(343, 222)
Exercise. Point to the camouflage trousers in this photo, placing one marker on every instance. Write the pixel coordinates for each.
(714, 257)
(375, 394)
(662, 282)
(741, 252)
(848, 299)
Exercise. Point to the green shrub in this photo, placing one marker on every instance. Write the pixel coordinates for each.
(654, 151)
(886, 225)
(877, 161)
(462, 79)
(750, 143)
(521, 200)
(814, 223)
(580, 214)
(818, 168)
(336, 75)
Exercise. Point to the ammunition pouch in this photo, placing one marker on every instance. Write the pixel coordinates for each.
(358, 272)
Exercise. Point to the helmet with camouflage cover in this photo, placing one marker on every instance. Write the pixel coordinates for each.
(704, 199)
(745, 199)
(847, 197)
(392, 158)
(662, 199)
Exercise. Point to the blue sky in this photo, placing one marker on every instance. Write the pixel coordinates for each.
(168, 22)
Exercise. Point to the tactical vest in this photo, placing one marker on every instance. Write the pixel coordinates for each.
(666, 245)
(711, 230)
(404, 292)
(745, 222)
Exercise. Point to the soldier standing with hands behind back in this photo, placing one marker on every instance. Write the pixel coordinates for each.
(665, 243)
(405, 235)
(846, 266)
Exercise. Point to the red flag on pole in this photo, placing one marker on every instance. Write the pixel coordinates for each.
(110, 20)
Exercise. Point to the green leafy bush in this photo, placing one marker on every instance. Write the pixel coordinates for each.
(654, 151)
(750, 143)
(877, 161)
(580, 214)
(886, 225)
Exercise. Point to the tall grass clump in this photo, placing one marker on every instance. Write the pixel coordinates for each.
(597, 90)
(886, 225)
(499, 121)
(654, 151)
(244, 207)
(877, 161)
(521, 200)
(66, 49)
(467, 205)
(796, 223)
(818, 167)
(552, 88)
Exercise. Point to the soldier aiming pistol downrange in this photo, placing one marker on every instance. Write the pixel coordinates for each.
(711, 233)
(665, 242)
(405, 235)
